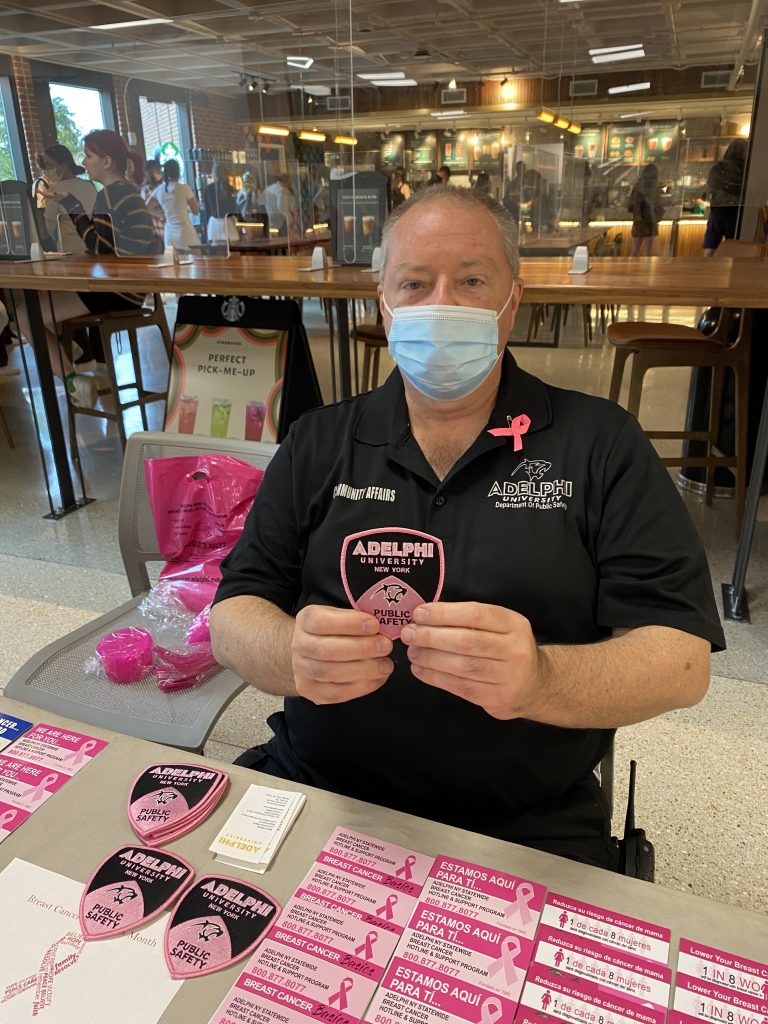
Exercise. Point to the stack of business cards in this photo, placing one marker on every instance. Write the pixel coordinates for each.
(255, 829)
(333, 941)
(36, 766)
(11, 728)
(715, 986)
(464, 954)
(590, 962)
(168, 800)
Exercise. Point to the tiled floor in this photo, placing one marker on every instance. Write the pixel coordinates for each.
(703, 782)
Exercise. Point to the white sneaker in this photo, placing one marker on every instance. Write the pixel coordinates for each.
(82, 391)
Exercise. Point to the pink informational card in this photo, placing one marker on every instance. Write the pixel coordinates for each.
(412, 993)
(627, 934)
(256, 1000)
(58, 749)
(397, 864)
(747, 977)
(341, 938)
(26, 786)
(703, 1003)
(494, 897)
(547, 995)
(467, 949)
(633, 977)
(382, 904)
(10, 818)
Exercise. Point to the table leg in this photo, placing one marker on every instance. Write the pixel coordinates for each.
(345, 369)
(51, 410)
(735, 606)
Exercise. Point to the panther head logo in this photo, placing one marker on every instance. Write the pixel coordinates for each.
(393, 592)
(534, 469)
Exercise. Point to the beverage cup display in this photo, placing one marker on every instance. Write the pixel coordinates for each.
(220, 410)
(254, 420)
(187, 414)
(652, 144)
(368, 222)
(578, 152)
(592, 150)
(16, 229)
(349, 226)
(3, 235)
(666, 143)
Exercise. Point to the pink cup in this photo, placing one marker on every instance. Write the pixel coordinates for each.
(126, 654)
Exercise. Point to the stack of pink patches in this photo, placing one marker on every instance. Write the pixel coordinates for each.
(169, 800)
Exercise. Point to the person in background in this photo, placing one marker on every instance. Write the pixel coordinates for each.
(321, 203)
(220, 207)
(119, 223)
(153, 176)
(401, 191)
(40, 183)
(177, 201)
(282, 209)
(249, 201)
(482, 184)
(647, 208)
(134, 168)
(64, 175)
(444, 175)
(724, 185)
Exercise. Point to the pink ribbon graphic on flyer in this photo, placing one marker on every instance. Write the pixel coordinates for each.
(340, 997)
(36, 793)
(386, 910)
(77, 757)
(405, 869)
(49, 968)
(510, 948)
(7, 818)
(525, 893)
(515, 428)
(365, 949)
(491, 1010)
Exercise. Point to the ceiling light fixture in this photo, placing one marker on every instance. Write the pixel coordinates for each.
(303, 63)
(575, 128)
(546, 116)
(561, 122)
(345, 140)
(635, 116)
(265, 88)
(272, 129)
(251, 86)
(133, 24)
(614, 49)
(369, 76)
(389, 83)
(312, 136)
(633, 87)
(606, 56)
(448, 113)
(452, 84)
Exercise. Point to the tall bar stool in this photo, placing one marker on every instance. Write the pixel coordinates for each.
(373, 339)
(660, 344)
(108, 324)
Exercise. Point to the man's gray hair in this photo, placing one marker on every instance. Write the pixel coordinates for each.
(464, 197)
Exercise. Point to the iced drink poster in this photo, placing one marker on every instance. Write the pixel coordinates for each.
(391, 571)
(358, 209)
(627, 934)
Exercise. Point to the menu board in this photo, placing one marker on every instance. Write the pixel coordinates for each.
(358, 209)
(625, 143)
(425, 151)
(453, 152)
(392, 151)
(662, 142)
(587, 146)
(486, 150)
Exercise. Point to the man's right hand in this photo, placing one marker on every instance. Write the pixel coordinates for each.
(338, 654)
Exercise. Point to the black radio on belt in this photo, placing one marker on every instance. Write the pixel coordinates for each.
(638, 858)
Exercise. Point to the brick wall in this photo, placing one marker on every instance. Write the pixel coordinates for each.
(118, 87)
(30, 123)
(215, 125)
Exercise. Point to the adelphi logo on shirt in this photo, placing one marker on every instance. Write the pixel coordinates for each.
(529, 488)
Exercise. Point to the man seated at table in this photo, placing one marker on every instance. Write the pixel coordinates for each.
(575, 598)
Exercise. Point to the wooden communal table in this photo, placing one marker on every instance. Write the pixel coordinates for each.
(658, 281)
(560, 244)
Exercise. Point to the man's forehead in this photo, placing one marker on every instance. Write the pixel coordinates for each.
(464, 263)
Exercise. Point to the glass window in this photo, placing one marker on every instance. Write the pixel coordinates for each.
(11, 161)
(164, 127)
(77, 110)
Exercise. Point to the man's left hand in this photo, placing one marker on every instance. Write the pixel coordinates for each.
(479, 652)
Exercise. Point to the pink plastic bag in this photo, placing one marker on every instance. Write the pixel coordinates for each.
(199, 504)
(126, 654)
(178, 670)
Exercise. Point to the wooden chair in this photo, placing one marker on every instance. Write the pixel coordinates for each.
(661, 344)
(108, 324)
(373, 339)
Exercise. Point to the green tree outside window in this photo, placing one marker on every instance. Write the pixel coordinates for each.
(67, 133)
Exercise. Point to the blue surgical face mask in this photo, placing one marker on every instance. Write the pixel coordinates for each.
(445, 352)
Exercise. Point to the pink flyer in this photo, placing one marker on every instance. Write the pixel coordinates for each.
(255, 1000)
(548, 995)
(494, 897)
(350, 938)
(10, 819)
(738, 974)
(468, 949)
(55, 748)
(380, 902)
(26, 786)
(632, 976)
(397, 865)
(414, 994)
(628, 934)
(697, 1000)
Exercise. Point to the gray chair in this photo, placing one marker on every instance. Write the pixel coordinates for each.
(55, 680)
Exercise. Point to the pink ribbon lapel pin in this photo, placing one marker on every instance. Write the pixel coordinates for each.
(515, 428)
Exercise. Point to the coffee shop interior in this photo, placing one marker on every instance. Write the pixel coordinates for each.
(554, 107)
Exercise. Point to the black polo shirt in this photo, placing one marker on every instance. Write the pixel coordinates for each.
(580, 532)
